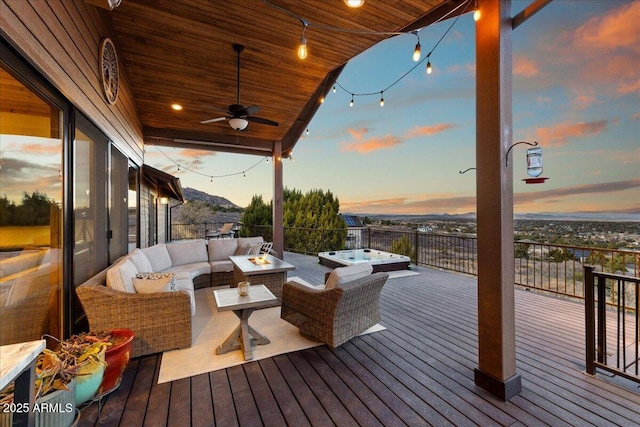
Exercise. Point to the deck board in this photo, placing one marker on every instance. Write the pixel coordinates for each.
(417, 372)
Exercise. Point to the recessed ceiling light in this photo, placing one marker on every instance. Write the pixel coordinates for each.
(354, 3)
(176, 107)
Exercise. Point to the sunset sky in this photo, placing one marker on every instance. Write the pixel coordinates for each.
(576, 90)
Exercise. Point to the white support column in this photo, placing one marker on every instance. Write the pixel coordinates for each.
(496, 372)
(277, 214)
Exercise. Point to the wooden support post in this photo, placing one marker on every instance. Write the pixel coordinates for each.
(277, 214)
(496, 372)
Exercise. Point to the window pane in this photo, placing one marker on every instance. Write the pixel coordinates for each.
(30, 213)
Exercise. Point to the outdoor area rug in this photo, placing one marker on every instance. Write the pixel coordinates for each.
(210, 328)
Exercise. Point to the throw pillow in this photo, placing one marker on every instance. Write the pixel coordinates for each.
(350, 273)
(243, 250)
(154, 282)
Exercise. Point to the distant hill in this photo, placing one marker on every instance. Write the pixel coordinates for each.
(191, 194)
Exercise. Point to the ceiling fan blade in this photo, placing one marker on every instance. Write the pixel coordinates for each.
(251, 109)
(217, 119)
(261, 120)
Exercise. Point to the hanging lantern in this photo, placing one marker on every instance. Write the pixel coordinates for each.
(534, 166)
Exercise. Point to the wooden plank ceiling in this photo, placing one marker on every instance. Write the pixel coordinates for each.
(181, 51)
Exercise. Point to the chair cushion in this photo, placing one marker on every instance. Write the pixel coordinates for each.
(221, 249)
(188, 252)
(158, 256)
(120, 276)
(342, 275)
(140, 260)
(187, 285)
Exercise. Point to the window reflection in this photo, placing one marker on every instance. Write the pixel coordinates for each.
(30, 213)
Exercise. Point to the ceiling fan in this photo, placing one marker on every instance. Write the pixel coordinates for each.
(239, 115)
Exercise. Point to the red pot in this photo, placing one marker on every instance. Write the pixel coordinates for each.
(117, 358)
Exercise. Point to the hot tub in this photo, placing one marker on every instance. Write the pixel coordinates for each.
(380, 260)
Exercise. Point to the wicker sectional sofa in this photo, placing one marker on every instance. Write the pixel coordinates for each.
(160, 320)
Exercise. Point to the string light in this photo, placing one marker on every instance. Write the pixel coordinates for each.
(302, 49)
(211, 177)
(416, 51)
(382, 99)
(476, 14)
(354, 3)
(307, 131)
(322, 99)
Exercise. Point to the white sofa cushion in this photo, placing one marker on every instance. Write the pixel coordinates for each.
(120, 276)
(158, 256)
(244, 241)
(189, 252)
(342, 275)
(140, 260)
(221, 266)
(187, 285)
(222, 249)
(194, 269)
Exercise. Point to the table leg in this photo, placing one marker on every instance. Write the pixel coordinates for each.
(242, 336)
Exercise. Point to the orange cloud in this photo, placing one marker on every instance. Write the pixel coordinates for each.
(358, 133)
(525, 67)
(371, 144)
(428, 130)
(560, 134)
(195, 153)
(627, 88)
(616, 30)
(582, 102)
(636, 116)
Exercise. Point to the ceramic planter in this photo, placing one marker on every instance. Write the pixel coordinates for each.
(117, 358)
(89, 379)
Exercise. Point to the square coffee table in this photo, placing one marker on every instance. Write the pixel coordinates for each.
(241, 338)
(272, 274)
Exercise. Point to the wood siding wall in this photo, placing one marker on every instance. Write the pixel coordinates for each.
(61, 38)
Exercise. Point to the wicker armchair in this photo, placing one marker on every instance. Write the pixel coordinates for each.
(336, 315)
(160, 321)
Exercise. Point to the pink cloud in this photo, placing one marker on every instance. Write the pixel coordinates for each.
(428, 130)
(525, 67)
(582, 102)
(358, 133)
(636, 116)
(372, 144)
(613, 31)
(627, 88)
(560, 134)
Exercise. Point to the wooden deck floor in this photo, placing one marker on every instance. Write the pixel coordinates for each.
(417, 372)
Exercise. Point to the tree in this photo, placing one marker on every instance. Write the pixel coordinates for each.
(311, 220)
(404, 246)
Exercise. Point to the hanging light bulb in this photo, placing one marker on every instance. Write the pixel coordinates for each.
(322, 100)
(382, 99)
(302, 49)
(211, 179)
(351, 103)
(416, 51)
(307, 131)
(428, 65)
(334, 89)
(476, 14)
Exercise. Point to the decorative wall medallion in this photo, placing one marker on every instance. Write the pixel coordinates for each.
(109, 69)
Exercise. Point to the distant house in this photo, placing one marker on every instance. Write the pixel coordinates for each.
(355, 229)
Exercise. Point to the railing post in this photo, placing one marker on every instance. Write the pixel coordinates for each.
(602, 321)
(589, 307)
(416, 245)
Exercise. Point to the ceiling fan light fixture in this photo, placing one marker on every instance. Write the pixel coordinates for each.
(238, 123)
